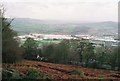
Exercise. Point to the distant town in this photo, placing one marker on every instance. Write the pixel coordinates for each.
(107, 40)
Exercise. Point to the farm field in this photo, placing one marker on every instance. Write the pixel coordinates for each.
(60, 71)
(43, 42)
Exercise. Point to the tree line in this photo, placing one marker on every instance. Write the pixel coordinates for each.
(77, 52)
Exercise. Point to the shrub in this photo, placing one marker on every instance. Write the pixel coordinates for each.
(77, 72)
(34, 74)
(10, 74)
(101, 77)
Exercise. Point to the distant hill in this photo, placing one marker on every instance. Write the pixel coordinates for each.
(27, 25)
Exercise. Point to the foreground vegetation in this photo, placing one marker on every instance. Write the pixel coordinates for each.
(49, 71)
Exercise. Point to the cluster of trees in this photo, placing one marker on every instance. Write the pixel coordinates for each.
(60, 53)
(11, 52)
(30, 49)
(78, 52)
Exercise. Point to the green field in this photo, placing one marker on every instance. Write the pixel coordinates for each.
(43, 42)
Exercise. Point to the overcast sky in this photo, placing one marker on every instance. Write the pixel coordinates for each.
(72, 10)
